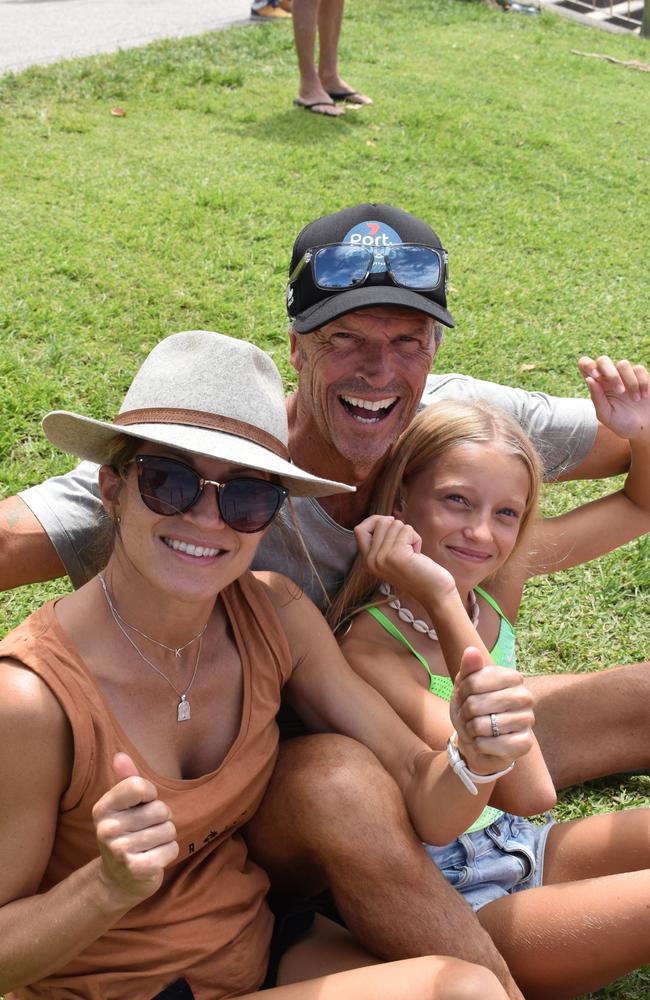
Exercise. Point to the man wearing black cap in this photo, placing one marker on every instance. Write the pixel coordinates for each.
(367, 302)
(367, 307)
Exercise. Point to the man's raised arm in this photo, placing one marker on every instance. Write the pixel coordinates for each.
(53, 529)
(609, 456)
(565, 430)
(26, 552)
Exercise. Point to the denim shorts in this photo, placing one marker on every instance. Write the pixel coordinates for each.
(505, 857)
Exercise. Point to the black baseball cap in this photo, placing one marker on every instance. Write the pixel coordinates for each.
(368, 225)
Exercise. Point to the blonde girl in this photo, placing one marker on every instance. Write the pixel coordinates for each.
(456, 510)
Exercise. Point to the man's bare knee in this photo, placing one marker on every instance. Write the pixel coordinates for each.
(319, 776)
(328, 796)
(593, 724)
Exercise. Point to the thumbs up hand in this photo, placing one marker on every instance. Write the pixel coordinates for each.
(135, 834)
(491, 711)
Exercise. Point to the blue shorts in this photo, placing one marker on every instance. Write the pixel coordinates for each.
(505, 857)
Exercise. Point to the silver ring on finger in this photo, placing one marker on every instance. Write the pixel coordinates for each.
(495, 726)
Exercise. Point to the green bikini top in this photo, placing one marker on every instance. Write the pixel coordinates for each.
(503, 654)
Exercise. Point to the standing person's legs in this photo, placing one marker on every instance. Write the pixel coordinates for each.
(589, 923)
(333, 817)
(590, 725)
(330, 19)
(311, 93)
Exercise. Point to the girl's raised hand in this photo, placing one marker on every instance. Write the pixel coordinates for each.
(135, 833)
(484, 690)
(621, 395)
(392, 551)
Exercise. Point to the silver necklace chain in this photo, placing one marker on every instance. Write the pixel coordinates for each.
(176, 650)
(183, 711)
(417, 623)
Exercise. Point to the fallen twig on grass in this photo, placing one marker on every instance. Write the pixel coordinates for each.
(630, 63)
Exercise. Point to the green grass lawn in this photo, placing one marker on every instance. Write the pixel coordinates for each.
(531, 162)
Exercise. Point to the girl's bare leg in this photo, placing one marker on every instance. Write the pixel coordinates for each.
(590, 922)
(329, 965)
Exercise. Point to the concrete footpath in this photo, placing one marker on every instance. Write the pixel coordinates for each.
(44, 31)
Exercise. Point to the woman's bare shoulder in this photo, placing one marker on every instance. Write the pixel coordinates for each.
(37, 742)
(35, 769)
(27, 703)
(282, 591)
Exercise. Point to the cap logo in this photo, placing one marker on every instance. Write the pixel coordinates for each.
(375, 236)
(354, 258)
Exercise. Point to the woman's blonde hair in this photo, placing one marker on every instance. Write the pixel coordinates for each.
(434, 431)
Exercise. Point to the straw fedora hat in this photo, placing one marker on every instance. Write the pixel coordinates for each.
(204, 393)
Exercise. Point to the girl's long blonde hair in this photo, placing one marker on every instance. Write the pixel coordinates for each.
(434, 431)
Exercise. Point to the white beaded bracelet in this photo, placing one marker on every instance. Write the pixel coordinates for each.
(460, 768)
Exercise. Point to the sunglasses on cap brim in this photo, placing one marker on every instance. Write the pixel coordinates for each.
(341, 266)
(169, 487)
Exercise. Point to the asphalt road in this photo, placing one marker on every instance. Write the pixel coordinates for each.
(44, 31)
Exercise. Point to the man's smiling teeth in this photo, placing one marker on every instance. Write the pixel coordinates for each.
(377, 409)
(192, 550)
(368, 404)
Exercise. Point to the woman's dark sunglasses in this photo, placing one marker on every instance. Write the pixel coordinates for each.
(346, 265)
(170, 487)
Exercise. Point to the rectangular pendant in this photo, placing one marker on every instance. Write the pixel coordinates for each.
(183, 712)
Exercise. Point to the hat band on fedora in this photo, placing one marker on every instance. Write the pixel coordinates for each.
(210, 421)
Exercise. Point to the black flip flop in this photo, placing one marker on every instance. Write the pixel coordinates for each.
(316, 104)
(345, 96)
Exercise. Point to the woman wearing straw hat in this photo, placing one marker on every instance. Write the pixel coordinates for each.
(138, 716)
